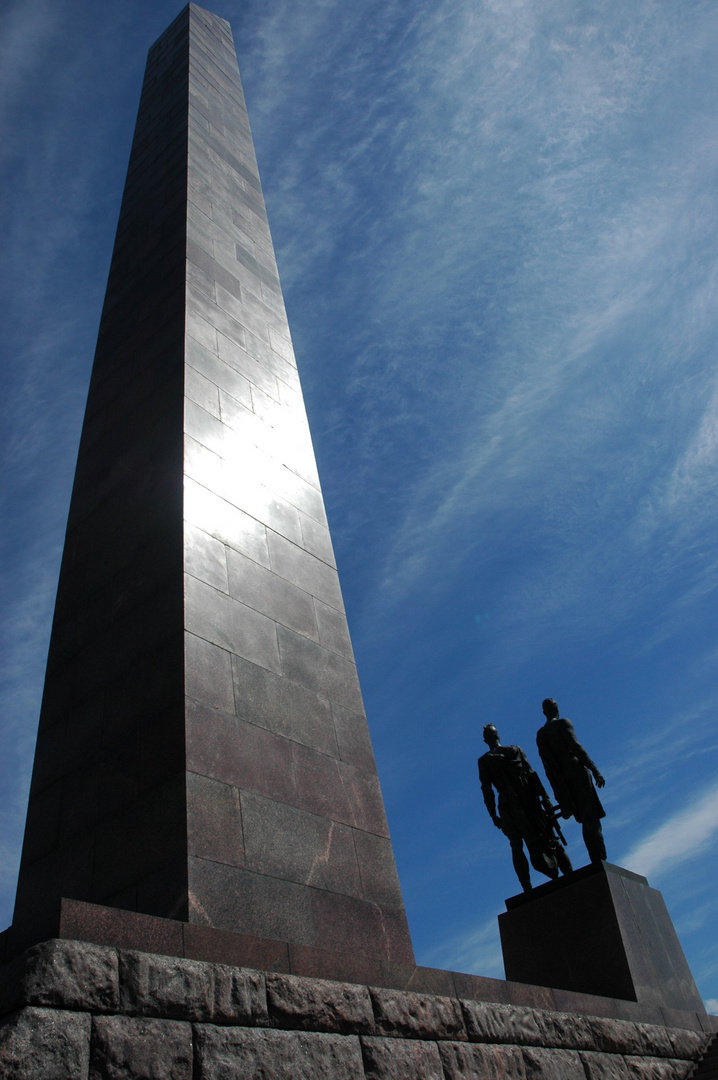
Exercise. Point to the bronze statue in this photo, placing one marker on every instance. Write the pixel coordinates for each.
(525, 814)
(569, 770)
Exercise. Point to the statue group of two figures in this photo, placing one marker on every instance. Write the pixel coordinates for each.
(525, 813)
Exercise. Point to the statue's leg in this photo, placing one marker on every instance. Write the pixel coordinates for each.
(521, 863)
(543, 857)
(593, 839)
(564, 863)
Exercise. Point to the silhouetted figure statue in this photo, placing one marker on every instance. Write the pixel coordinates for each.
(569, 770)
(524, 812)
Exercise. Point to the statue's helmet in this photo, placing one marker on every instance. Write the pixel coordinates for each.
(490, 728)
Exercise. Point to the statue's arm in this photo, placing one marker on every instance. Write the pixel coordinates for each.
(547, 760)
(535, 783)
(487, 790)
(561, 793)
(540, 791)
(578, 751)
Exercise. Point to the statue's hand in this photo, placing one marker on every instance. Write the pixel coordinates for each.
(600, 782)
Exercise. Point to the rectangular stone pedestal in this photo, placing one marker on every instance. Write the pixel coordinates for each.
(600, 930)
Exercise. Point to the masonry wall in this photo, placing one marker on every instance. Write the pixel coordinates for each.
(74, 1011)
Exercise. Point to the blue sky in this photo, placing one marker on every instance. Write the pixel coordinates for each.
(497, 229)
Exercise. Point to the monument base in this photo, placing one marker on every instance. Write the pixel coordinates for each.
(85, 926)
(600, 930)
(72, 1010)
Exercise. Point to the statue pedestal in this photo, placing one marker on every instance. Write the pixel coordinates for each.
(600, 930)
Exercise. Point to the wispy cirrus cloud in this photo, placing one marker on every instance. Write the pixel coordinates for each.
(508, 146)
(685, 835)
(477, 950)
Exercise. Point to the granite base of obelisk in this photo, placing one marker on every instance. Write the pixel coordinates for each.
(71, 1010)
(600, 930)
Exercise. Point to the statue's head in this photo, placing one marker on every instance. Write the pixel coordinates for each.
(491, 735)
(549, 707)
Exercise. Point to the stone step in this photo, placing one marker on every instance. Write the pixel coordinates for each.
(707, 1067)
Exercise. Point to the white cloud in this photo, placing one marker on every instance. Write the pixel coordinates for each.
(443, 225)
(687, 834)
(525, 311)
(477, 951)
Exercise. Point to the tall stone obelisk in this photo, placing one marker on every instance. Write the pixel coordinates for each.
(203, 753)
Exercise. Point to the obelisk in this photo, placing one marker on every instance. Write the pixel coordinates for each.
(203, 753)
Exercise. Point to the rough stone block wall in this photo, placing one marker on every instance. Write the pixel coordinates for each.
(75, 1011)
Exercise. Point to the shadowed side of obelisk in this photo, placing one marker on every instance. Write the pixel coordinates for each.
(203, 753)
(106, 819)
(287, 832)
